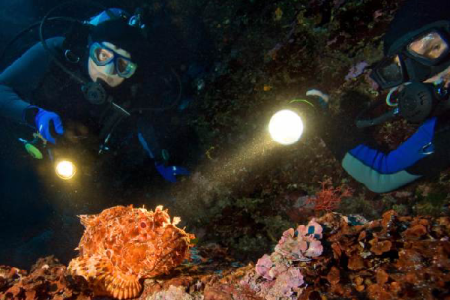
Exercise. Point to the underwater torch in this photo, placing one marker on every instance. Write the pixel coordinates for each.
(65, 169)
(286, 127)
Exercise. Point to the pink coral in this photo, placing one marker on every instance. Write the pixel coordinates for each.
(313, 228)
(282, 278)
(285, 284)
(263, 267)
(301, 244)
(286, 235)
(315, 249)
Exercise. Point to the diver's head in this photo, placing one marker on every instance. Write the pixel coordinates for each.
(417, 44)
(115, 51)
(417, 57)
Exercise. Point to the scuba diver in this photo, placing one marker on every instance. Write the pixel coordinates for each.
(84, 85)
(416, 69)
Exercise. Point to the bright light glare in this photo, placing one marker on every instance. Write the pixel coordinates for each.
(286, 127)
(65, 169)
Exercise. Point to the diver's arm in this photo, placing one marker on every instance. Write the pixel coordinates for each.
(147, 138)
(384, 172)
(438, 159)
(22, 77)
(149, 141)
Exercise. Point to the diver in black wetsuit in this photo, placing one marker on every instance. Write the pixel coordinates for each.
(85, 90)
(416, 68)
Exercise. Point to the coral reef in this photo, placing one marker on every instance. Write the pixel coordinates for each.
(46, 280)
(122, 245)
(332, 257)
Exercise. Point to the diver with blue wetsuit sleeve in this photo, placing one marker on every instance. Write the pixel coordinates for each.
(19, 81)
(53, 89)
(416, 69)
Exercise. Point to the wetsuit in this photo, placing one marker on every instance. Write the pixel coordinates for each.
(35, 79)
(425, 153)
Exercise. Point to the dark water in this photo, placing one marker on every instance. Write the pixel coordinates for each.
(38, 212)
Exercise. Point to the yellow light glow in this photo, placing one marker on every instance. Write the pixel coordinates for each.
(65, 169)
(286, 127)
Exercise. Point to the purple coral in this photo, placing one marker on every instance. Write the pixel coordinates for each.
(356, 70)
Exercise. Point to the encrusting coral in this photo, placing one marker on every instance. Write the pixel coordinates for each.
(121, 245)
(283, 279)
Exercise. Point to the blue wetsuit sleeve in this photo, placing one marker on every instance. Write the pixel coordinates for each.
(22, 77)
(384, 172)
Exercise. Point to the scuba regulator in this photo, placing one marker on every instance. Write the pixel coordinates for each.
(74, 47)
(411, 59)
(95, 93)
(419, 101)
(415, 102)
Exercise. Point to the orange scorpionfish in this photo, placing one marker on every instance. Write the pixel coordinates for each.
(122, 245)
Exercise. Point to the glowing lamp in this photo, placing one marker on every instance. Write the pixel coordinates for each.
(286, 127)
(65, 169)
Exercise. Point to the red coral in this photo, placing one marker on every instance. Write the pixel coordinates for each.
(121, 245)
(329, 198)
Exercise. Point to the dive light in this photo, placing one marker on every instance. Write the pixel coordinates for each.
(64, 168)
(286, 127)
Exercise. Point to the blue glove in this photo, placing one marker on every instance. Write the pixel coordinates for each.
(43, 122)
(169, 172)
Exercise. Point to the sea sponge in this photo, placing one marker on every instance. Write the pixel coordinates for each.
(122, 245)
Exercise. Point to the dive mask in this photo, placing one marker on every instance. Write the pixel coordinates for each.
(103, 56)
(417, 56)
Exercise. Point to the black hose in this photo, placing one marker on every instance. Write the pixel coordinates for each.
(363, 121)
(70, 73)
(54, 56)
(44, 43)
(22, 32)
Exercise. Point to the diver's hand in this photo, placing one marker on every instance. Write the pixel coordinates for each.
(44, 120)
(168, 173)
(321, 97)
